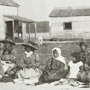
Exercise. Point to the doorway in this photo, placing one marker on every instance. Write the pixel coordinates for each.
(9, 30)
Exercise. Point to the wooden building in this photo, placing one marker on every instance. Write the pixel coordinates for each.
(11, 24)
(70, 23)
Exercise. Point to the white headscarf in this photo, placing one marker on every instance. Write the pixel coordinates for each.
(60, 57)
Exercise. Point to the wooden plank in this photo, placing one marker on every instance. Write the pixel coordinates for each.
(35, 31)
(29, 31)
(17, 11)
(13, 30)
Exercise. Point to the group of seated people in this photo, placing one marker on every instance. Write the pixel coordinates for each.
(25, 67)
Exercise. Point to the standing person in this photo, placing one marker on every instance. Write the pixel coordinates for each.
(29, 63)
(8, 57)
(56, 67)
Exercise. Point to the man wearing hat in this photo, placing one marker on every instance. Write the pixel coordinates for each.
(29, 63)
(8, 56)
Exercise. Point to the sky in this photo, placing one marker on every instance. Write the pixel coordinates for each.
(39, 10)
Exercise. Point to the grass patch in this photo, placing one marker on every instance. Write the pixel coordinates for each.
(45, 51)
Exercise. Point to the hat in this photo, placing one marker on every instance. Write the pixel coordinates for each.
(30, 46)
(82, 44)
(7, 41)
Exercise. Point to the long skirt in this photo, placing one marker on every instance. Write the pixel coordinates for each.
(28, 76)
(49, 78)
(84, 76)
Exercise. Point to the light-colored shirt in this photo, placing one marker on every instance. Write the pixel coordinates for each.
(74, 68)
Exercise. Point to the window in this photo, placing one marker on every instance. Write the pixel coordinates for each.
(31, 28)
(67, 26)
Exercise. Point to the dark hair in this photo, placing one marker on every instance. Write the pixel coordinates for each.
(82, 44)
(30, 49)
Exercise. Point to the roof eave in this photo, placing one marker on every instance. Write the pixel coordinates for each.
(20, 19)
(69, 16)
(11, 5)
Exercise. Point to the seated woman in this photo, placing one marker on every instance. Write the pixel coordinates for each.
(56, 67)
(8, 60)
(29, 63)
(8, 56)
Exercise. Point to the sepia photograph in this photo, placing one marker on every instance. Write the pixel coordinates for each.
(44, 44)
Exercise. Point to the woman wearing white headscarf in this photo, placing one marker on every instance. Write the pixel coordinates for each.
(56, 67)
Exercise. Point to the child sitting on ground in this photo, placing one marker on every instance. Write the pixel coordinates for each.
(73, 71)
(74, 68)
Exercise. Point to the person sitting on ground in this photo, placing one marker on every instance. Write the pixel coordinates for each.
(29, 63)
(73, 69)
(8, 57)
(55, 69)
(84, 73)
(74, 66)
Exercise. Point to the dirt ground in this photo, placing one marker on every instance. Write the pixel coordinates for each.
(11, 86)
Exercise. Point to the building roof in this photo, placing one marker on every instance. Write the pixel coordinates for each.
(9, 3)
(69, 12)
(19, 18)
